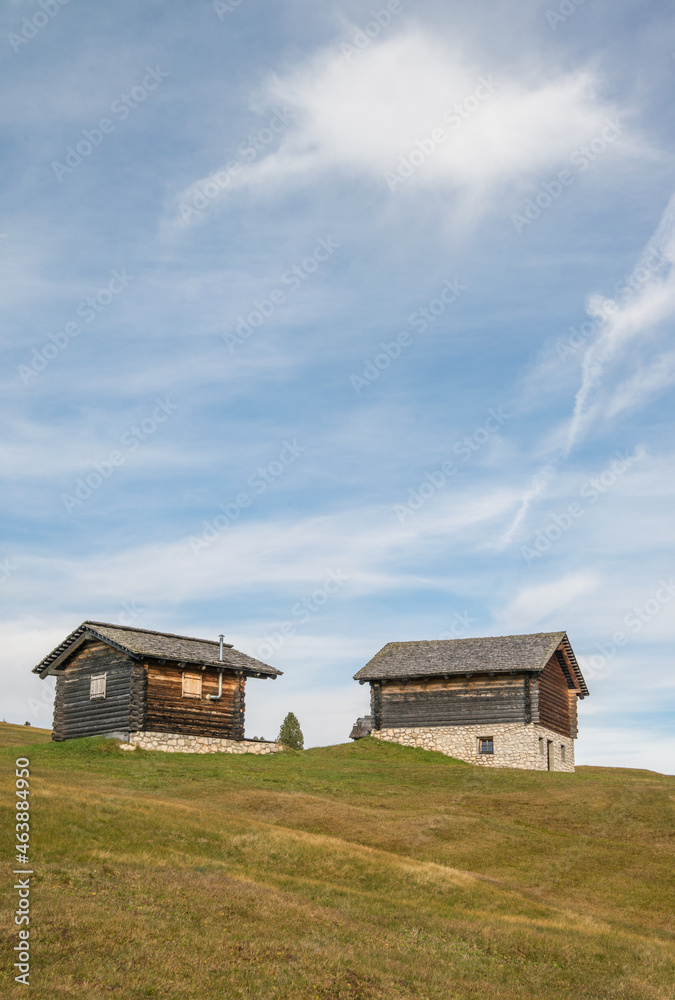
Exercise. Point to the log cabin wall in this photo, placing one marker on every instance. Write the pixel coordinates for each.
(557, 702)
(455, 701)
(75, 712)
(168, 711)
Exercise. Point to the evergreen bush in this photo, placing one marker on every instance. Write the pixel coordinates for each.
(290, 734)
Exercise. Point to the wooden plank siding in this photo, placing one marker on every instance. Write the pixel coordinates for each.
(75, 713)
(167, 711)
(557, 702)
(454, 701)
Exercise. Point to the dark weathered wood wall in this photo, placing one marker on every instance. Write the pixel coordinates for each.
(167, 711)
(455, 701)
(557, 702)
(75, 713)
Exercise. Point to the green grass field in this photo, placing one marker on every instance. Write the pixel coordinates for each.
(357, 872)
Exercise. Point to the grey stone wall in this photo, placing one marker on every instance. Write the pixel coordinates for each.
(180, 743)
(515, 744)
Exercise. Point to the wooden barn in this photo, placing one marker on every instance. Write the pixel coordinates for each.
(505, 701)
(152, 689)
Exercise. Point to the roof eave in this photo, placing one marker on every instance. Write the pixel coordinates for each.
(584, 692)
(445, 674)
(217, 665)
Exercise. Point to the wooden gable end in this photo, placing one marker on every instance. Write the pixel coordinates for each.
(558, 690)
(95, 689)
(177, 703)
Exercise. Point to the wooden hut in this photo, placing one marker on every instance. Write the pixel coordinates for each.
(505, 701)
(152, 689)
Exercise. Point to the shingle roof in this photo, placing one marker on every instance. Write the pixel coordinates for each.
(437, 657)
(164, 645)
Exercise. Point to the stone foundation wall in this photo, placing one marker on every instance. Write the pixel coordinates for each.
(515, 745)
(182, 743)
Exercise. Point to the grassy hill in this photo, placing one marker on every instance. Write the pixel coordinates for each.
(357, 872)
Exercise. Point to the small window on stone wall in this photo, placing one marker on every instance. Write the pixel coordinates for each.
(542, 748)
(563, 752)
(192, 685)
(486, 744)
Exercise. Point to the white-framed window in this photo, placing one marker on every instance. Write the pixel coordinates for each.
(486, 744)
(192, 685)
(97, 686)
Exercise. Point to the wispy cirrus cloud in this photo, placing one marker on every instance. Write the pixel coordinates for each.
(642, 314)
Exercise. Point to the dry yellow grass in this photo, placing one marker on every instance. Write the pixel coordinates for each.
(357, 872)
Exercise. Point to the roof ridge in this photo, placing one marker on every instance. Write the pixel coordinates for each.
(150, 631)
(474, 638)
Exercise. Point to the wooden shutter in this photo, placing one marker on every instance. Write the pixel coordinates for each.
(97, 686)
(192, 685)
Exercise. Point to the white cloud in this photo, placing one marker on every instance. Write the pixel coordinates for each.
(645, 310)
(360, 117)
(647, 383)
(540, 601)
(537, 486)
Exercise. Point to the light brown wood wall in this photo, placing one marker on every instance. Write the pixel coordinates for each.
(167, 711)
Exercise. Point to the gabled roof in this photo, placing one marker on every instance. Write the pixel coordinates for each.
(142, 642)
(495, 654)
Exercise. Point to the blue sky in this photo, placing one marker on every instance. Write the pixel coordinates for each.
(324, 329)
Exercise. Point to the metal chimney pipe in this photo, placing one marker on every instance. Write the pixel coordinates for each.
(220, 654)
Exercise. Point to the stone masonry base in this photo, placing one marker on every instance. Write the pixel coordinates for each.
(515, 744)
(181, 743)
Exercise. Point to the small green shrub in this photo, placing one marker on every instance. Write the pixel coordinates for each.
(290, 734)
